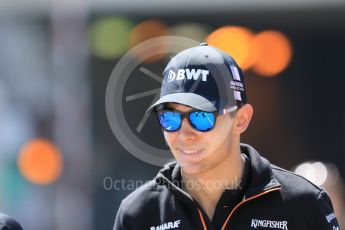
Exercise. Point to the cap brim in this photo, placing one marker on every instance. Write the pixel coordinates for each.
(189, 99)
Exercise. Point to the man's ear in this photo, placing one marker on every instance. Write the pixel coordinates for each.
(243, 117)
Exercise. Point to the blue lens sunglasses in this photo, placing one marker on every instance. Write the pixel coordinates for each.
(171, 120)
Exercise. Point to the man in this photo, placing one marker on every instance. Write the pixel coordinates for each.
(8, 223)
(216, 182)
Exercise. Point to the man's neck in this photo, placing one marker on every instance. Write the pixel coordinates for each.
(208, 186)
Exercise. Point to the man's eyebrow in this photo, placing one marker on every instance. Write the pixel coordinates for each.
(167, 107)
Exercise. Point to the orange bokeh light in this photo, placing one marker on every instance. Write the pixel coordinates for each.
(145, 31)
(40, 161)
(274, 52)
(236, 41)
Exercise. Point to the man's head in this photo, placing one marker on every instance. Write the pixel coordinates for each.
(201, 87)
(204, 78)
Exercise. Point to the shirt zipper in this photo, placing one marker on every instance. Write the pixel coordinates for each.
(202, 220)
(245, 201)
(236, 207)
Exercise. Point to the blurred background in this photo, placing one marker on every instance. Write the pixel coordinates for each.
(61, 167)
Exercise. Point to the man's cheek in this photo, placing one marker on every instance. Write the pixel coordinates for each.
(170, 139)
(167, 137)
(209, 140)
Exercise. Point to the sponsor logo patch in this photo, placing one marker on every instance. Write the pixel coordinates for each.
(271, 224)
(167, 225)
(190, 74)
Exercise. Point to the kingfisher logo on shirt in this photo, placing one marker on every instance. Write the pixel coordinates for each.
(167, 225)
(271, 224)
(190, 74)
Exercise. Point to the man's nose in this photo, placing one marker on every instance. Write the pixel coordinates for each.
(187, 133)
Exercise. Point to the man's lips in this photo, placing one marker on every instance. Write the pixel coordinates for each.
(190, 152)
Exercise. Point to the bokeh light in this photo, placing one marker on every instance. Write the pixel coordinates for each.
(316, 172)
(145, 31)
(273, 51)
(40, 162)
(110, 36)
(236, 41)
(195, 31)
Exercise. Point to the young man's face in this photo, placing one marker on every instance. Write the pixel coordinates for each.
(200, 151)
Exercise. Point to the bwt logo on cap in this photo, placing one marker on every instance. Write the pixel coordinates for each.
(191, 74)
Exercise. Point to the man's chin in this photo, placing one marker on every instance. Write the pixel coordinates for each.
(192, 168)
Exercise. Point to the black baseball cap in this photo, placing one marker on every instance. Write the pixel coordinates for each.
(204, 78)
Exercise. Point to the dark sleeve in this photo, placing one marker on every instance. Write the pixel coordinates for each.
(8, 223)
(322, 214)
(120, 223)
